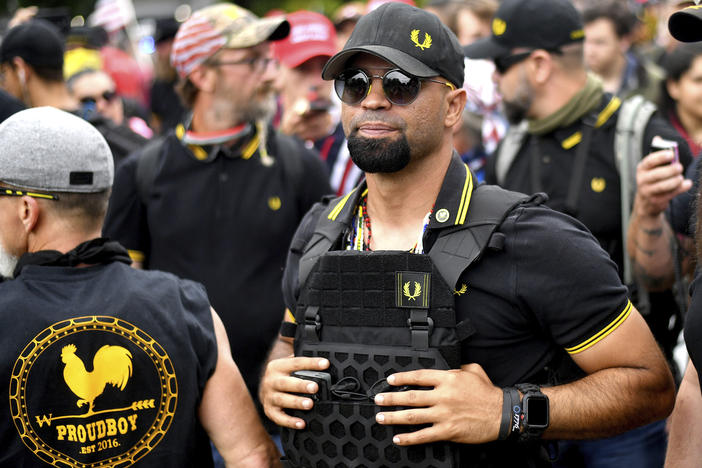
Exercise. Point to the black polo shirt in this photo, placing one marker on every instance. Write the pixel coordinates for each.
(598, 204)
(551, 290)
(226, 223)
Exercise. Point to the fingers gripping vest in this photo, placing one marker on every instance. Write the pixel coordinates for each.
(373, 314)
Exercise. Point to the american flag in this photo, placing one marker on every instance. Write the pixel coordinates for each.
(113, 15)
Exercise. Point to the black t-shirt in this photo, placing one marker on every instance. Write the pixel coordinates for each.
(9, 105)
(598, 205)
(551, 289)
(104, 362)
(227, 224)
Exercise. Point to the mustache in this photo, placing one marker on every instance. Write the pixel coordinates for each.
(375, 116)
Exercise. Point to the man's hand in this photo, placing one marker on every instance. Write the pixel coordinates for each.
(308, 125)
(658, 180)
(463, 406)
(277, 387)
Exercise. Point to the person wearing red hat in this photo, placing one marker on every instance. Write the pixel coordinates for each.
(307, 111)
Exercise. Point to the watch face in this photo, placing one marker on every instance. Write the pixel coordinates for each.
(536, 409)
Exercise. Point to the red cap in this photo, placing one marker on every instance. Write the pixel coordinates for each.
(373, 4)
(311, 35)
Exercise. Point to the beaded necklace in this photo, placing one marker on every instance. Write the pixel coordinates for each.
(360, 236)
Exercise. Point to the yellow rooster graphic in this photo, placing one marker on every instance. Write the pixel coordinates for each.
(111, 365)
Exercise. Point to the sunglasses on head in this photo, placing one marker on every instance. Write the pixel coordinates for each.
(107, 96)
(352, 86)
(6, 192)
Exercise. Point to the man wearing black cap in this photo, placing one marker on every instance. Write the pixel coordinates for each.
(573, 141)
(468, 306)
(31, 69)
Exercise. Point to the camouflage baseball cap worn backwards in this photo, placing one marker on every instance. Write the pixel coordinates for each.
(221, 26)
(412, 39)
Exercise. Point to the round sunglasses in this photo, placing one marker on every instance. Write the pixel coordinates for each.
(352, 86)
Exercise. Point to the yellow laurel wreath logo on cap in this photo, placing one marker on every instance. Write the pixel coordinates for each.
(498, 27)
(415, 38)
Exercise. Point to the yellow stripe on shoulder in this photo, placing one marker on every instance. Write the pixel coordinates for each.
(607, 112)
(465, 197)
(613, 325)
(289, 317)
(136, 255)
(339, 206)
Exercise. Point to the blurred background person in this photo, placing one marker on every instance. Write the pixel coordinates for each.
(681, 93)
(345, 18)
(167, 110)
(96, 92)
(609, 25)
(32, 67)
(307, 110)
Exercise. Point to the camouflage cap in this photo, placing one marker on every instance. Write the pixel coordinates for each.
(219, 26)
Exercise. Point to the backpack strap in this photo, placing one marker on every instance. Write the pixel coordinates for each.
(146, 168)
(634, 116)
(457, 248)
(508, 150)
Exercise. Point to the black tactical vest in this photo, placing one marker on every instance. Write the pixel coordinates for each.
(373, 314)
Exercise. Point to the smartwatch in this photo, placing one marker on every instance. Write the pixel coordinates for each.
(535, 411)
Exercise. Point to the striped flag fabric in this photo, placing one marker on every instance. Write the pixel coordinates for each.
(113, 15)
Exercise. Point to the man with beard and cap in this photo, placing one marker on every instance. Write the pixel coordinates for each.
(218, 199)
(684, 448)
(435, 321)
(102, 364)
(573, 141)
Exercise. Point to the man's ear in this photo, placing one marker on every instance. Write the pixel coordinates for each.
(540, 67)
(21, 67)
(456, 103)
(29, 211)
(204, 78)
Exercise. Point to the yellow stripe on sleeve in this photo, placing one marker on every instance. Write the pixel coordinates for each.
(136, 255)
(289, 317)
(603, 333)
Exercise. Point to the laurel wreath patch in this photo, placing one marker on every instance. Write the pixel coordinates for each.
(415, 38)
(417, 291)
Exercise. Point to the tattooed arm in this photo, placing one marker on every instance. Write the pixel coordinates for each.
(650, 239)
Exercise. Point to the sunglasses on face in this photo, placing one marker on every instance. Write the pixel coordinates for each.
(5, 192)
(502, 64)
(352, 86)
(108, 96)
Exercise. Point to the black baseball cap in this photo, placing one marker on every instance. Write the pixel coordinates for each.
(686, 25)
(412, 39)
(534, 24)
(37, 42)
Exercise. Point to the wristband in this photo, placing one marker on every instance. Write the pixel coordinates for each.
(515, 414)
(506, 421)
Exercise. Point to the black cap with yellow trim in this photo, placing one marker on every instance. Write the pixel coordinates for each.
(532, 24)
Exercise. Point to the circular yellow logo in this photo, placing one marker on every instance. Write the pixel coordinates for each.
(598, 184)
(498, 27)
(274, 203)
(93, 391)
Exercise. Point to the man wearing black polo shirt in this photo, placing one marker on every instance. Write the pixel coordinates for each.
(219, 199)
(563, 143)
(419, 269)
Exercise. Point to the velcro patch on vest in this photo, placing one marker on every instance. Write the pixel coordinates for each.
(412, 289)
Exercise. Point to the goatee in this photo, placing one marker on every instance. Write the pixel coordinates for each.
(375, 155)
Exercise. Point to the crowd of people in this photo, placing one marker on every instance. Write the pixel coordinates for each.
(460, 234)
